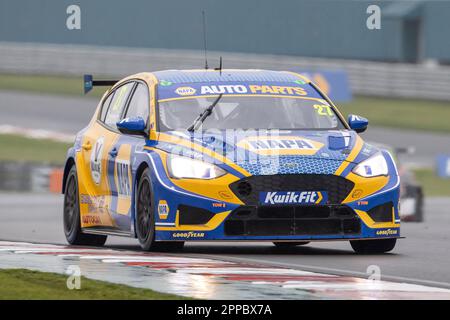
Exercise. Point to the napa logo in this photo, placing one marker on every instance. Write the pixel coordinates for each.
(293, 197)
(163, 209)
(280, 145)
(185, 91)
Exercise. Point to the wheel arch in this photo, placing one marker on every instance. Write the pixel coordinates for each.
(69, 163)
(141, 168)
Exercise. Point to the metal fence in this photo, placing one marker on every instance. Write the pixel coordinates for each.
(420, 81)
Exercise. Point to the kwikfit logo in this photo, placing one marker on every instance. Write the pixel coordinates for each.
(293, 197)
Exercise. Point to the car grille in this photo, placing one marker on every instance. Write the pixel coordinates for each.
(248, 189)
(292, 220)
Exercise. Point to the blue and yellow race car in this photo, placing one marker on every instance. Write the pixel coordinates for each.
(226, 155)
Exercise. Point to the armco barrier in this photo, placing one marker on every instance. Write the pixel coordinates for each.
(365, 77)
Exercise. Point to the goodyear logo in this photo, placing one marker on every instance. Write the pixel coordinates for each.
(189, 234)
(293, 197)
(163, 209)
(185, 91)
(387, 232)
(281, 145)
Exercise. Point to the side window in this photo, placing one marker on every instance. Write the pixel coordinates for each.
(118, 102)
(105, 106)
(139, 103)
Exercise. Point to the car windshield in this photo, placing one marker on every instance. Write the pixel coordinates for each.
(249, 112)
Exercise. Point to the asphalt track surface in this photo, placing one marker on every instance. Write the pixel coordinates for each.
(70, 114)
(423, 257)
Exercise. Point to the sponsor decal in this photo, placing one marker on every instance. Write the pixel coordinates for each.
(123, 177)
(282, 90)
(223, 89)
(299, 82)
(293, 197)
(163, 209)
(357, 193)
(96, 160)
(185, 91)
(188, 234)
(255, 89)
(363, 203)
(90, 219)
(165, 83)
(387, 232)
(225, 195)
(95, 204)
(219, 205)
(279, 145)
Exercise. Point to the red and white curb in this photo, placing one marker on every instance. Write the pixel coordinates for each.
(205, 278)
(36, 133)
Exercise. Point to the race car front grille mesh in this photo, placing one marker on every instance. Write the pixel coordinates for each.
(336, 187)
(292, 220)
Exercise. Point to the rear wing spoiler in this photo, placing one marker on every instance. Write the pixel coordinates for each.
(89, 83)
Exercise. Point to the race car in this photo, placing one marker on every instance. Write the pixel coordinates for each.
(411, 192)
(226, 155)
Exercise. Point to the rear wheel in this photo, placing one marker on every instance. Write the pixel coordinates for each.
(373, 246)
(290, 244)
(145, 219)
(71, 218)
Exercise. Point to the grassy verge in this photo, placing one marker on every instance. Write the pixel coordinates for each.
(14, 148)
(401, 113)
(21, 284)
(432, 184)
(72, 86)
(397, 113)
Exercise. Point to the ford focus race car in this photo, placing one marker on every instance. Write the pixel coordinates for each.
(230, 155)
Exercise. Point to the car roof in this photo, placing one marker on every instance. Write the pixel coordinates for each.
(227, 75)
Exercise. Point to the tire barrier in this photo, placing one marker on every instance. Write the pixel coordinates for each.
(28, 177)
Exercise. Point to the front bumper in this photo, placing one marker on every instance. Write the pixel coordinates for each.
(195, 217)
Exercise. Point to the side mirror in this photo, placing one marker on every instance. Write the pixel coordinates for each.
(357, 123)
(134, 125)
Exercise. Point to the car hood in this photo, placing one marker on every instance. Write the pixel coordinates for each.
(271, 152)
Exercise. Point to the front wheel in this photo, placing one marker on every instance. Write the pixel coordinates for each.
(145, 219)
(373, 246)
(71, 217)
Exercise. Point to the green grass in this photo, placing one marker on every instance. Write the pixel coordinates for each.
(401, 113)
(14, 148)
(21, 284)
(398, 113)
(58, 85)
(432, 184)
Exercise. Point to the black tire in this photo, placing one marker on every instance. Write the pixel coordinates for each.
(71, 215)
(145, 219)
(290, 244)
(373, 246)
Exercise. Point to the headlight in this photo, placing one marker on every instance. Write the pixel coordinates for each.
(183, 167)
(372, 167)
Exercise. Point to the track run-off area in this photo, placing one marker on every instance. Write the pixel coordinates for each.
(32, 237)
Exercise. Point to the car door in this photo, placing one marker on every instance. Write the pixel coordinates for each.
(96, 200)
(138, 105)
